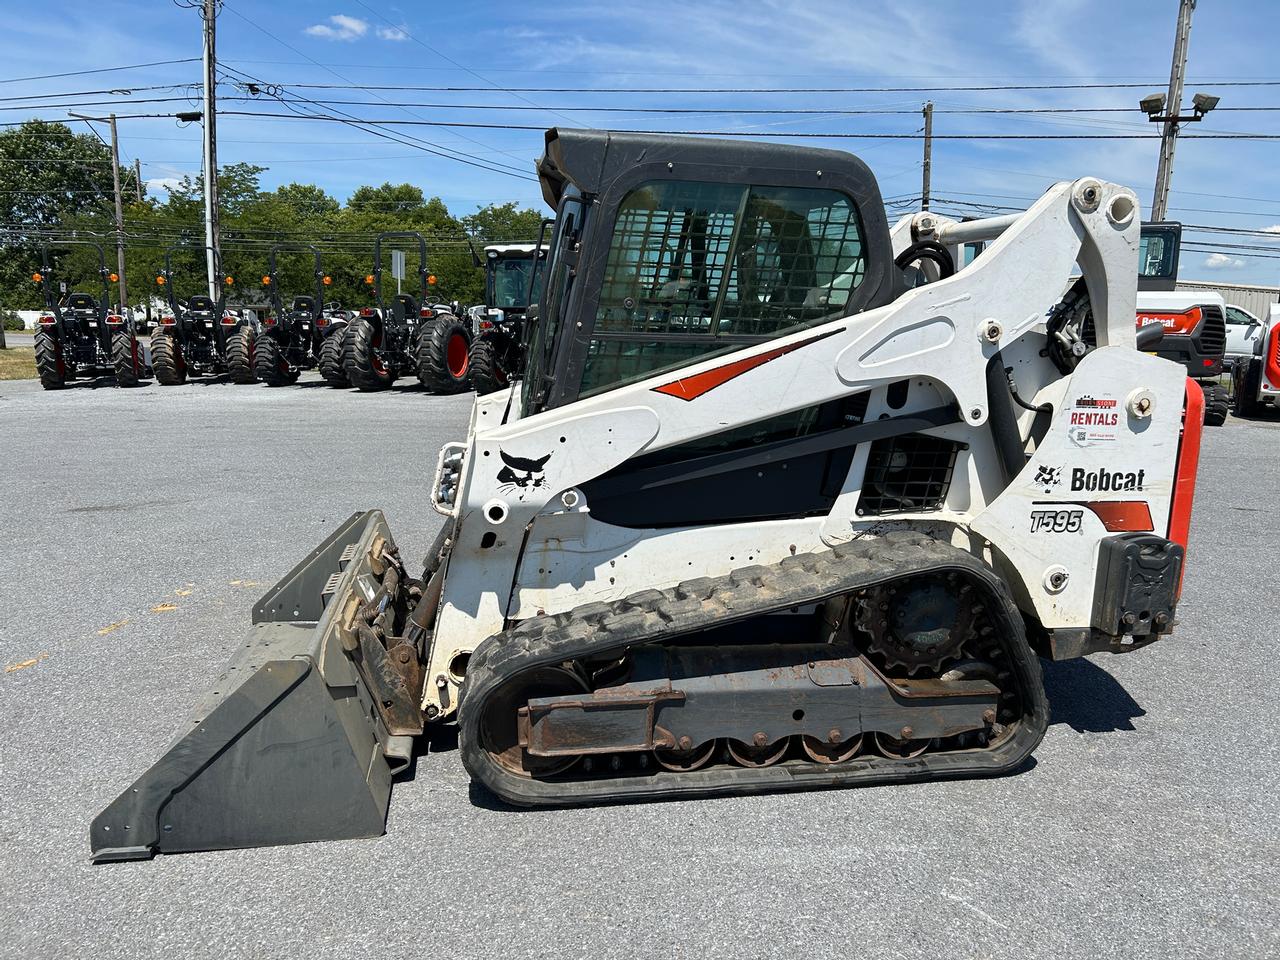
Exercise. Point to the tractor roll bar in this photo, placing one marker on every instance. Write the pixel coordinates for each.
(273, 291)
(377, 260)
(46, 272)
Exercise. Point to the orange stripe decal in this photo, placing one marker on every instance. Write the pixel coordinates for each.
(1118, 515)
(690, 388)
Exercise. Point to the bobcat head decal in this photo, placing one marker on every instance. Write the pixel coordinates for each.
(520, 474)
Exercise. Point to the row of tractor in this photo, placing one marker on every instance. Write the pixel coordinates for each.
(416, 332)
(411, 332)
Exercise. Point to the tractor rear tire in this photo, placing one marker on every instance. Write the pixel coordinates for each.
(444, 355)
(364, 369)
(270, 365)
(331, 364)
(124, 357)
(240, 347)
(1245, 383)
(50, 366)
(1216, 405)
(489, 372)
(166, 360)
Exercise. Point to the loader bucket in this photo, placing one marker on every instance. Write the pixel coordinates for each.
(288, 746)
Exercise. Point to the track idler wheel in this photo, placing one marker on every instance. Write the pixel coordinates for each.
(898, 748)
(499, 727)
(683, 761)
(751, 755)
(838, 752)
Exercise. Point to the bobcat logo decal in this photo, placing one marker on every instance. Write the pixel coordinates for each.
(1047, 477)
(520, 474)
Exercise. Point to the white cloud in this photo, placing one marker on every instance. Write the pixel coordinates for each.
(343, 28)
(161, 183)
(1220, 261)
(393, 33)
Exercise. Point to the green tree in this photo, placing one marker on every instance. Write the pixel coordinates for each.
(49, 177)
(503, 221)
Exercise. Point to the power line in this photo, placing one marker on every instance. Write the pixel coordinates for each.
(636, 90)
(132, 66)
(1240, 135)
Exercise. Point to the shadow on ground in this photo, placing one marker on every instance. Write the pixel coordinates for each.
(1087, 698)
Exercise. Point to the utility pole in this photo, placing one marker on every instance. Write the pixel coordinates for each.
(928, 154)
(137, 177)
(115, 177)
(210, 15)
(1169, 134)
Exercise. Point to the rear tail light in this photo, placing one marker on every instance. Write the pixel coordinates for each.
(48, 318)
(167, 321)
(115, 319)
(425, 313)
(229, 321)
(1183, 322)
(322, 321)
(368, 312)
(270, 321)
(486, 324)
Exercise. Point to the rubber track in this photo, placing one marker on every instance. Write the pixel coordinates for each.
(1216, 404)
(433, 370)
(125, 359)
(1244, 402)
(331, 364)
(47, 361)
(485, 367)
(664, 615)
(164, 361)
(240, 349)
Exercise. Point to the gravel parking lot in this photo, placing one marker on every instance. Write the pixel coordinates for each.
(1147, 826)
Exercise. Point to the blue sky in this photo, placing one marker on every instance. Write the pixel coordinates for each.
(663, 43)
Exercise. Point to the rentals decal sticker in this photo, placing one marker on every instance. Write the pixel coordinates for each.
(1094, 420)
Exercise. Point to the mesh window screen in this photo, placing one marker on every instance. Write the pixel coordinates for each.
(907, 474)
(692, 263)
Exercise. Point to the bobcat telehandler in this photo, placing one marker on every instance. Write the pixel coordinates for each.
(512, 275)
(407, 333)
(291, 339)
(757, 516)
(199, 336)
(80, 335)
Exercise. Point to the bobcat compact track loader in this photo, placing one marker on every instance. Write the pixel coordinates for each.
(757, 517)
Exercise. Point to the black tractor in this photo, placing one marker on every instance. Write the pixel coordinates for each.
(407, 333)
(79, 335)
(200, 336)
(512, 281)
(291, 339)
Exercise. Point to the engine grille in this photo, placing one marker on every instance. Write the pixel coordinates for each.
(1213, 332)
(907, 474)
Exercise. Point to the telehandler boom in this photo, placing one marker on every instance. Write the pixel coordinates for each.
(783, 500)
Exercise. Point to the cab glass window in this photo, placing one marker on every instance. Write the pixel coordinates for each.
(702, 268)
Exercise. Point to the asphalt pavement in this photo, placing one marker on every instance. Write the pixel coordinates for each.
(138, 527)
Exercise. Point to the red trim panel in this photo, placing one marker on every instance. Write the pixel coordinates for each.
(690, 388)
(1122, 515)
(1271, 364)
(1184, 482)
